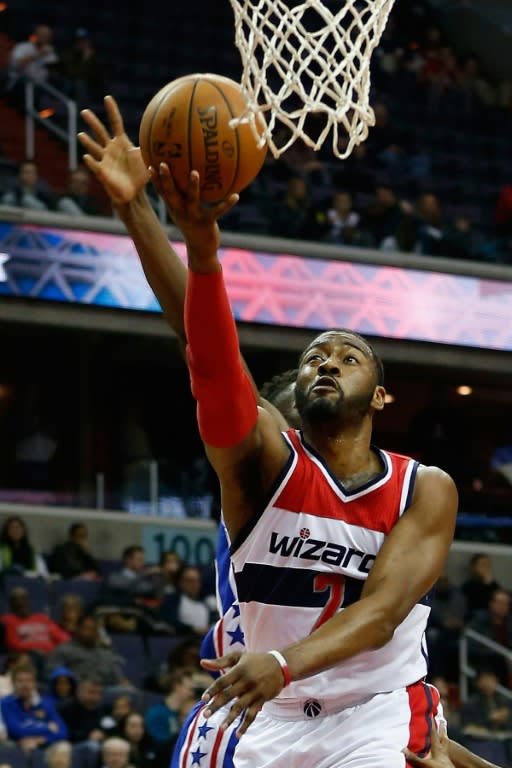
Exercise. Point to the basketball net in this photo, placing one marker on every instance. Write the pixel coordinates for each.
(305, 61)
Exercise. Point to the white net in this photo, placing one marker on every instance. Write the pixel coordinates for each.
(306, 69)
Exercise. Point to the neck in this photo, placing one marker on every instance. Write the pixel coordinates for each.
(346, 451)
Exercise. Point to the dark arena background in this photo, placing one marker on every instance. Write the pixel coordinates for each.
(408, 241)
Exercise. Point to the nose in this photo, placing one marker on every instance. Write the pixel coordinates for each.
(328, 368)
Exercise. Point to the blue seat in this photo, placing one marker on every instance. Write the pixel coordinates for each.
(130, 647)
(13, 756)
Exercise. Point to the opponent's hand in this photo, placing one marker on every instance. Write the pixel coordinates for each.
(253, 679)
(438, 751)
(197, 221)
(112, 156)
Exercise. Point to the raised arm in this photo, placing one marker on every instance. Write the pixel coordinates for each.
(119, 167)
(406, 568)
(243, 442)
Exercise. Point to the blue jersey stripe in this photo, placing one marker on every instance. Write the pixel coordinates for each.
(288, 586)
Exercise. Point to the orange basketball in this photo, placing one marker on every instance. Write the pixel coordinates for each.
(187, 125)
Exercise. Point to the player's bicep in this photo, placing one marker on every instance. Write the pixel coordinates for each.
(414, 554)
(264, 449)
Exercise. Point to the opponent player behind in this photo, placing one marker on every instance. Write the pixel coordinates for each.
(118, 165)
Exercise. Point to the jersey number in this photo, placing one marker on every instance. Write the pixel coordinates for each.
(335, 583)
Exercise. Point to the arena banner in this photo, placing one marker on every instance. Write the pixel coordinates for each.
(100, 269)
(194, 544)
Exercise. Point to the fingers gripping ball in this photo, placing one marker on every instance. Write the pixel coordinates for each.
(187, 125)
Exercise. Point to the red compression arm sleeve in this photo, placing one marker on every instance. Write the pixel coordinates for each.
(226, 402)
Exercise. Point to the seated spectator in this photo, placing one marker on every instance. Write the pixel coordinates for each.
(73, 559)
(170, 566)
(480, 585)
(302, 160)
(34, 59)
(163, 719)
(81, 70)
(496, 624)
(84, 656)
(77, 200)
(62, 686)
(16, 551)
(31, 718)
(26, 631)
(134, 582)
(70, 610)
(85, 712)
(29, 191)
(143, 752)
(485, 716)
(12, 660)
(341, 221)
(120, 708)
(385, 221)
(58, 755)
(115, 753)
(188, 609)
(445, 623)
(290, 217)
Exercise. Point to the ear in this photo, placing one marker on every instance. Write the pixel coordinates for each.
(378, 399)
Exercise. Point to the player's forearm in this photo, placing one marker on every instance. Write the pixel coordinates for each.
(164, 270)
(463, 758)
(363, 626)
(226, 400)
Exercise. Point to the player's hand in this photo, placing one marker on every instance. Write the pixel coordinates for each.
(438, 751)
(198, 222)
(112, 156)
(253, 679)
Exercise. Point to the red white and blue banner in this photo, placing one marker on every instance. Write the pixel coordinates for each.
(99, 269)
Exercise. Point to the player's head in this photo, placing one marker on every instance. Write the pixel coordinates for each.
(340, 377)
(280, 391)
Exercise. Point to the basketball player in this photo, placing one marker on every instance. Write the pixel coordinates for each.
(119, 167)
(335, 636)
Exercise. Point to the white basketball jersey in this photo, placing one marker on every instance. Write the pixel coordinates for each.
(308, 555)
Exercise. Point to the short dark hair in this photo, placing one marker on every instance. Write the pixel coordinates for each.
(131, 550)
(272, 388)
(74, 527)
(378, 364)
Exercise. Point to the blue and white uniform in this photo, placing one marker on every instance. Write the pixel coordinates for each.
(201, 742)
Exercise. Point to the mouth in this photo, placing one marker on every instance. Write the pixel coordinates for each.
(325, 382)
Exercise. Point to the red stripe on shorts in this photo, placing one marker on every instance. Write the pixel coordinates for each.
(423, 703)
(216, 747)
(191, 732)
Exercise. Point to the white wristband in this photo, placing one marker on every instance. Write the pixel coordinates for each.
(284, 666)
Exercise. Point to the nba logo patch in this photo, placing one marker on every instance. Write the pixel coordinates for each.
(312, 708)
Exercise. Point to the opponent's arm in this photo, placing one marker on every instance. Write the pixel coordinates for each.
(119, 167)
(406, 568)
(463, 758)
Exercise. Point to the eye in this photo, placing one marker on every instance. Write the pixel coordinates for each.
(350, 359)
(314, 357)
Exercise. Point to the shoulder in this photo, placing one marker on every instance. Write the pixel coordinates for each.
(431, 478)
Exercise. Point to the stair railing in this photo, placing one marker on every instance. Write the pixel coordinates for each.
(466, 671)
(32, 116)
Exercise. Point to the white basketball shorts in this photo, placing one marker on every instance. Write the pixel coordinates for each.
(369, 735)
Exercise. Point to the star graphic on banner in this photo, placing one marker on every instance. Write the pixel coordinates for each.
(236, 610)
(237, 635)
(203, 730)
(3, 258)
(197, 756)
